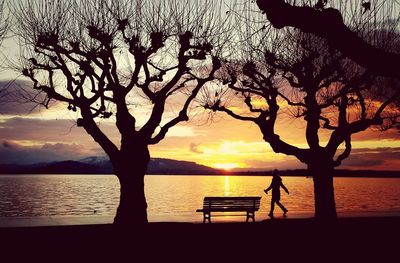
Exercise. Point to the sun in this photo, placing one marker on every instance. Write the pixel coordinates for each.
(226, 166)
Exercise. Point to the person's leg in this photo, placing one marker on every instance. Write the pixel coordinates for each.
(271, 211)
(282, 207)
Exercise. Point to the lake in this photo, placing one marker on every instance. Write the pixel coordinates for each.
(176, 198)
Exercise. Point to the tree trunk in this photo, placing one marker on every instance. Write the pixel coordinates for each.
(130, 170)
(324, 197)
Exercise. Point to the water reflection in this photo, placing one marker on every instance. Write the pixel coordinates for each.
(227, 178)
(77, 195)
(47, 195)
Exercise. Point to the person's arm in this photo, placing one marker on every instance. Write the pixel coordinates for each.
(284, 188)
(269, 188)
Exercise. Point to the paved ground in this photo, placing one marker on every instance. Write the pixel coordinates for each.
(348, 239)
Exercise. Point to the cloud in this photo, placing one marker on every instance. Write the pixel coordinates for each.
(19, 98)
(7, 145)
(15, 153)
(49, 130)
(194, 147)
(362, 161)
(384, 158)
(181, 131)
(377, 158)
(389, 151)
(278, 161)
(376, 134)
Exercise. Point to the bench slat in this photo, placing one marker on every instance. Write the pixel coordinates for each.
(231, 203)
(248, 204)
(232, 198)
(229, 209)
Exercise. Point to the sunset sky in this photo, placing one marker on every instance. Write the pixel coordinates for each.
(30, 135)
(50, 135)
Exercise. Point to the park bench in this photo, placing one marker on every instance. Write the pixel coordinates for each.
(248, 204)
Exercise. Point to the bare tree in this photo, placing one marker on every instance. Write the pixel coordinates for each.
(329, 23)
(102, 57)
(4, 21)
(4, 28)
(300, 75)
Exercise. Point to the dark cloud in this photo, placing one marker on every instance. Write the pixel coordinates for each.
(19, 98)
(49, 130)
(288, 162)
(194, 147)
(53, 140)
(389, 150)
(7, 145)
(362, 161)
(376, 134)
(14, 153)
(371, 158)
(361, 158)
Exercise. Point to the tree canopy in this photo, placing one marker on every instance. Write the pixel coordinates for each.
(328, 21)
(126, 61)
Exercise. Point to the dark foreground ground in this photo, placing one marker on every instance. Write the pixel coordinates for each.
(289, 240)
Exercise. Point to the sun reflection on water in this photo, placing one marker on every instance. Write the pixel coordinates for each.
(227, 186)
(98, 195)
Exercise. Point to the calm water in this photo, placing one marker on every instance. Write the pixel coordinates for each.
(180, 196)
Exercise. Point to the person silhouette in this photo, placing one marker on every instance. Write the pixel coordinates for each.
(275, 185)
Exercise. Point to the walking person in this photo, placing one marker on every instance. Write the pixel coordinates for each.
(275, 185)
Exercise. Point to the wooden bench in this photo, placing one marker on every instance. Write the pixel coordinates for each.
(248, 204)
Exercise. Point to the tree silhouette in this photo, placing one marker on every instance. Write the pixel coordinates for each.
(115, 59)
(5, 94)
(300, 75)
(4, 21)
(4, 24)
(329, 24)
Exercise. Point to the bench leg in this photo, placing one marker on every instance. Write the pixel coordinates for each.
(250, 215)
(206, 216)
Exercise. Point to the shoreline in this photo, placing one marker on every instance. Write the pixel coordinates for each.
(339, 173)
(76, 220)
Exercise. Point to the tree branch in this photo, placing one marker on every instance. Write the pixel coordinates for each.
(289, 102)
(327, 124)
(328, 23)
(385, 104)
(93, 130)
(217, 107)
(183, 114)
(345, 153)
(363, 113)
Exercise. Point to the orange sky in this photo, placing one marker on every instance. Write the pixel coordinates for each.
(48, 135)
(42, 135)
(225, 143)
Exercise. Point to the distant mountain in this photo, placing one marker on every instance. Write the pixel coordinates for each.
(102, 165)
(337, 173)
(95, 160)
(169, 166)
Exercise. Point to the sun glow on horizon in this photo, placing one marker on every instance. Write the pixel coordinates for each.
(226, 166)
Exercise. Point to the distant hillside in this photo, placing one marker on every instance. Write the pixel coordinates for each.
(169, 166)
(337, 173)
(101, 165)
